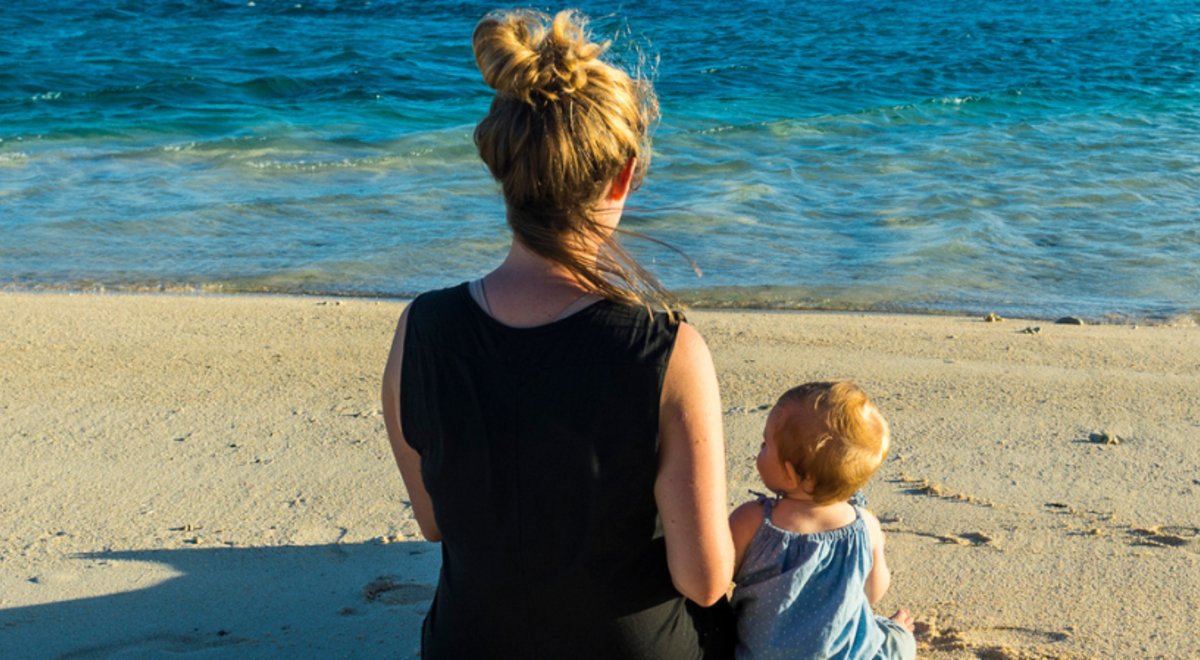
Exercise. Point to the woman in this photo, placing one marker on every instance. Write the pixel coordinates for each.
(561, 439)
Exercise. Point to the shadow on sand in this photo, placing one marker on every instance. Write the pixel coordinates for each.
(327, 601)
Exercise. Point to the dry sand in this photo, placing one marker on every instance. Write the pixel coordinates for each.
(208, 477)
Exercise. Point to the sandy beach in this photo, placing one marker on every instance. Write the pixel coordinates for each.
(209, 476)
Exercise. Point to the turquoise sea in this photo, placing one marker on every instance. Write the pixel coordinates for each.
(1035, 158)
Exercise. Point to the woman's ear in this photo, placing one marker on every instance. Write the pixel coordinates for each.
(624, 182)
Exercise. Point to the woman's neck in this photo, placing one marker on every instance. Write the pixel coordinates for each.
(523, 264)
(527, 290)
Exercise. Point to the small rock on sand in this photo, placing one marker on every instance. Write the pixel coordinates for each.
(1105, 438)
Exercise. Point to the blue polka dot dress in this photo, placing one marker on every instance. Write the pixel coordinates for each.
(801, 596)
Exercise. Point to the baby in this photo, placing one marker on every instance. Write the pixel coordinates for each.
(810, 561)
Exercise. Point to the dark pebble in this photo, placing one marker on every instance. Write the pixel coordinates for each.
(1104, 438)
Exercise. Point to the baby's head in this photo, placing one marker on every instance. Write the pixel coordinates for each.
(828, 437)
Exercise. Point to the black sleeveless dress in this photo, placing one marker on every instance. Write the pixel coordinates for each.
(539, 449)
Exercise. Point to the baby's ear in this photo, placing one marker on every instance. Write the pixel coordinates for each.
(806, 484)
(793, 477)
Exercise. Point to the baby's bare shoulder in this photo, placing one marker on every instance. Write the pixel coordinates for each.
(874, 529)
(745, 519)
(869, 517)
(748, 513)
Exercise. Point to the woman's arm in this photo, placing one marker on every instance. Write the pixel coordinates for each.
(407, 458)
(690, 487)
(880, 578)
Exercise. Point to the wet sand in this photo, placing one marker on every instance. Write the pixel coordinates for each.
(210, 475)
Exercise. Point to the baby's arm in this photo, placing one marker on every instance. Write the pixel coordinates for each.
(743, 522)
(880, 578)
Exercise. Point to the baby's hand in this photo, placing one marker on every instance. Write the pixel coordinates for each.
(903, 618)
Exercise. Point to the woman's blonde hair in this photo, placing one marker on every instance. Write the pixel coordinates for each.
(834, 435)
(562, 127)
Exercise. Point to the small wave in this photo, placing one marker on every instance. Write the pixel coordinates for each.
(266, 51)
(318, 166)
(229, 143)
(958, 100)
(718, 129)
(749, 127)
(136, 92)
(310, 153)
(836, 122)
(13, 157)
(945, 100)
(277, 86)
(722, 69)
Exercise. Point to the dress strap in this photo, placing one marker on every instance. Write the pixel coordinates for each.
(576, 305)
(768, 501)
(480, 295)
(478, 292)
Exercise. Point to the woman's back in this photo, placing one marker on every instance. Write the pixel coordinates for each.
(573, 469)
(539, 450)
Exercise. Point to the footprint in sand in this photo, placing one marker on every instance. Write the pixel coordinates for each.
(1168, 536)
(385, 589)
(1001, 643)
(922, 486)
(966, 538)
(158, 646)
(1103, 525)
(58, 578)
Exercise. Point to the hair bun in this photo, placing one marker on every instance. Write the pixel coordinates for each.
(529, 57)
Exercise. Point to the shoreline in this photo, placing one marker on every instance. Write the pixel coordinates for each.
(1187, 318)
(193, 472)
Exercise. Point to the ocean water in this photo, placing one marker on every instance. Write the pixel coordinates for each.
(1034, 158)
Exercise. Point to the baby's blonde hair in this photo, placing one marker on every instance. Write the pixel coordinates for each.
(834, 435)
(561, 128)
